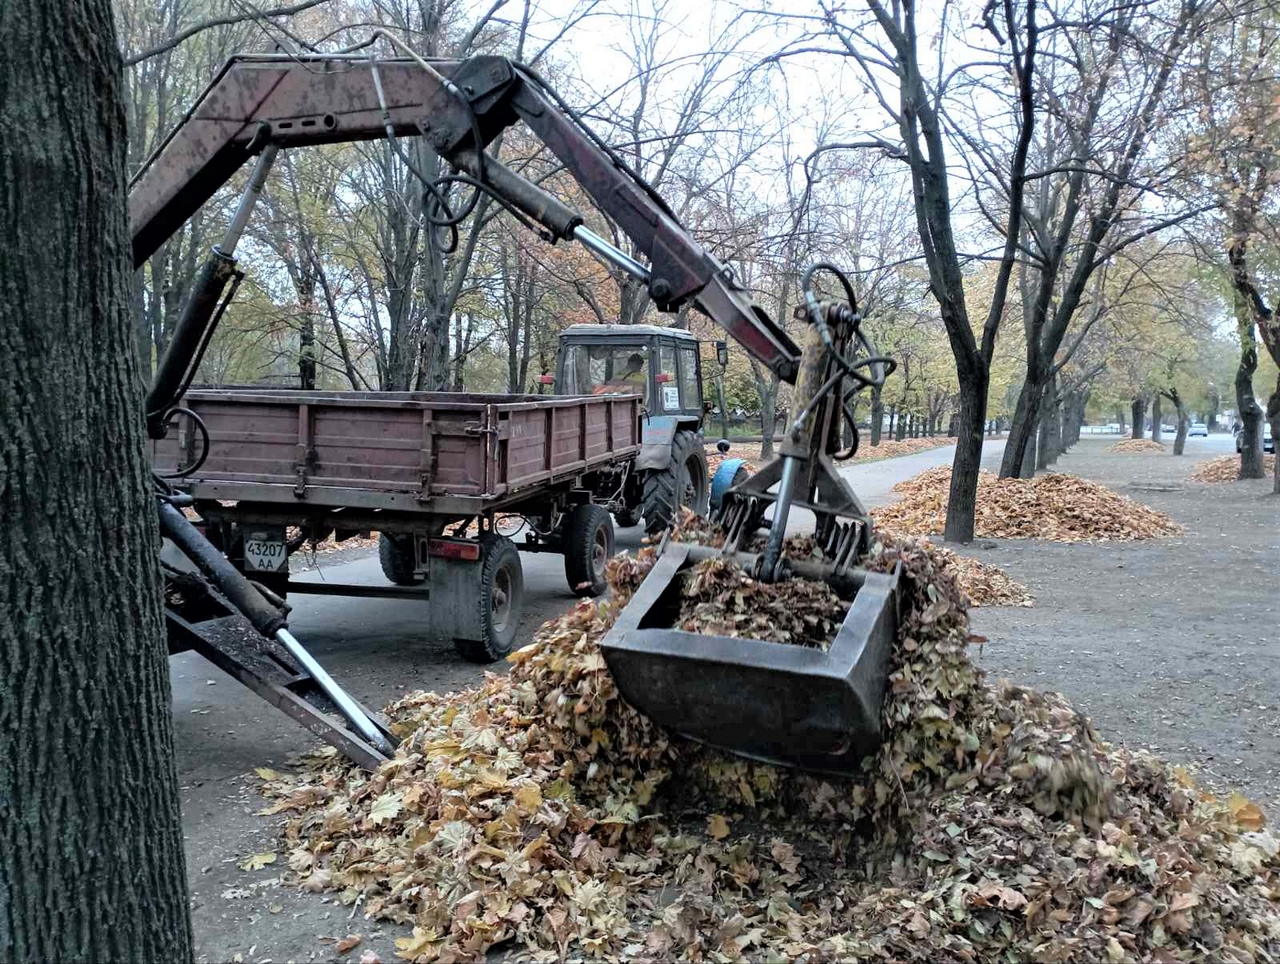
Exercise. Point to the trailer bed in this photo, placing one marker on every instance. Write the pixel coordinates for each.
(438, 452)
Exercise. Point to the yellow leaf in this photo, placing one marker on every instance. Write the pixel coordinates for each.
(409, 948)
(717, 827)
(528, 797)
(268, 774)
(1115, 952)
(1246, 812)
(257, 861)
(385, 808)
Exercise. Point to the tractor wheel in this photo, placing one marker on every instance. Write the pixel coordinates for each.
(398, 558)
(587, 536)
(683, 483)
(501, 601)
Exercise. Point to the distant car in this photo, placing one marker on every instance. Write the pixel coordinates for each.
(1268, 443)
(1199, 428)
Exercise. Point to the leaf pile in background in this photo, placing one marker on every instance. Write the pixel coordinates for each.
(540, 808)
(1226, 468)
(1137, 445)
(1061, 508)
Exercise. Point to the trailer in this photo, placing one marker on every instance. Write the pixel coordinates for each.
(435, 473)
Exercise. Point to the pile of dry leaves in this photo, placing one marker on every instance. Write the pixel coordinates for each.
(982, 583)
(1133, 445)
(1061, 508)
(541, 809)
(1226, 468)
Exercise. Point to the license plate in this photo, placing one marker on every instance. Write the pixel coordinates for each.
(265, 553)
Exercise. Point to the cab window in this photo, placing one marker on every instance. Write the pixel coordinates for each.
(606, 370)
(689, 376)
(669, 386)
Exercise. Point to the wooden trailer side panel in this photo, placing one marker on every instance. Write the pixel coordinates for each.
(311, 446)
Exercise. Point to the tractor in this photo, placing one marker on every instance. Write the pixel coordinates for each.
(664, 367)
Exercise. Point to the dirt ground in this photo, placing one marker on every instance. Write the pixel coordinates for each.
(1171, 644)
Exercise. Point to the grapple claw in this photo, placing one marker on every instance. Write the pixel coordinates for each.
(769, 701)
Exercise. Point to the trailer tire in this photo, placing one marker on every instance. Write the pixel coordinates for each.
(682, 483)
(501, 601)
(587, 538)
(399, 559)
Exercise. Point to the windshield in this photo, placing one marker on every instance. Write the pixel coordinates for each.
(606, 370)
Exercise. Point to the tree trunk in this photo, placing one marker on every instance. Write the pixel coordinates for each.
(1251, 464)
(962, 501)
(91, 860)
(877, 416)
(768, 409)
(893, 421)
(1027, 470)
(1045, 453)
(902, 426)
(1022, 433)
(1180, 440)
(1273, 416)
(724, 410)
(1055, 424)
(1155, 419)
(1139, 413)
(1120, 419)
(307, 350)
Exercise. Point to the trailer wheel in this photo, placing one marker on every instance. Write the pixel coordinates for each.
(398, 558)
(587, 536)
(501, 601)
(682, 483)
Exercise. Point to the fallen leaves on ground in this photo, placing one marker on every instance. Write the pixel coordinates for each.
(1226, 468)
(257, 861)
(541, 809)
(1134, 445)
(1053, 506)
(984, 584)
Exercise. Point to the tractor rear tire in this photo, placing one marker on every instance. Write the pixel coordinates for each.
(683, 483)
(587, 537)
(398, 558)
(501, 601)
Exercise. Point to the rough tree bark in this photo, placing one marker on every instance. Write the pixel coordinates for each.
(1180, 439)
(91, 860)
(877, 415)
(1155, 419)
(1139, 415)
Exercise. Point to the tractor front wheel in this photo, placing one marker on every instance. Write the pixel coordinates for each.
(682, 484)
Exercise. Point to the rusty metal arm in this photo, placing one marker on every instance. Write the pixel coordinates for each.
(300, 101)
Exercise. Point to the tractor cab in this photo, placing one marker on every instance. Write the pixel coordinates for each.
(660, 364)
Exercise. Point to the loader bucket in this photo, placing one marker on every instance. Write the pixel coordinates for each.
(782, 704)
